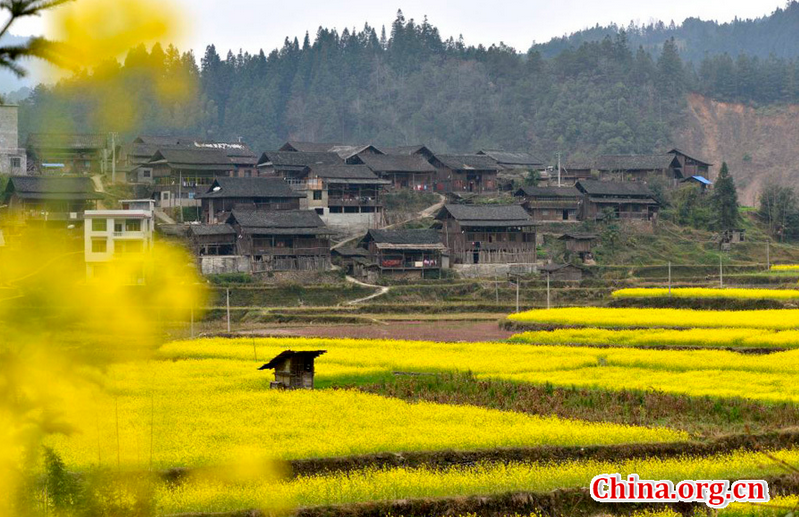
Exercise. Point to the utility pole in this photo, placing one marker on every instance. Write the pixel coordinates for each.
(113, 157)
(768, 254)
(669, 278)
(227, 303)
(517, 294)
(192, 322)
(721, 273)
(548, 305)
(559, 168)
(496, 287)
(180, 194)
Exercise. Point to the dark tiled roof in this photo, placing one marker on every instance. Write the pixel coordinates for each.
(614, 188)
(278, 220)
(517, 158)
(202, 230)
(397, 163)
(345, 172)
(579, 236)
(488, 215)
(299, 159)
(45, 187)
(66, 141)
(180, 156)
(250, 187)
(348, 151)
(404, 236)
(632, 162)
(287, 354)
(307, 147)
(677, 151)
(531, 191)
(552, 268)
(468, 162)
(405, 150)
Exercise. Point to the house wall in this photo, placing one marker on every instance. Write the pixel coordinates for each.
(482, 245)
(221, 264)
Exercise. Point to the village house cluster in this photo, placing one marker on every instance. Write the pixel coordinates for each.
(283, 210)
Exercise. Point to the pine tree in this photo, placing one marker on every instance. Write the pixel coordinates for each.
(725, 201)
(37, 47)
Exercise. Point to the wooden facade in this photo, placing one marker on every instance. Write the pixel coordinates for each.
(551, 204)
(562, 272)
(402, 171)
(488, 234)
(409, 253)
(629, 200)
(254, 194)
(465, 173)
(293, 370)
(78, 153)
(287, 240)
(49, 200)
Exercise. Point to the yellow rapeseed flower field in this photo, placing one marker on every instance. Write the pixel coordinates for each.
(482, 479)
(749, 338)
(785, 267)
(663, 318)
(703, 292)
(697, 372)
(214, 411)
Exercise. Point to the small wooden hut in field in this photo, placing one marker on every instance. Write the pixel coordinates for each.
(293, 370)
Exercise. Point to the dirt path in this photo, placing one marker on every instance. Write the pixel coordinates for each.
(381, 290)
(160, 214)
(447, 331)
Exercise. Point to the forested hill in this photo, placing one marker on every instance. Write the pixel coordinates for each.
(770, 35)
(409, 85)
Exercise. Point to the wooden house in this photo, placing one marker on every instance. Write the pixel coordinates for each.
(700, 182)
(49, 200)
(488, 234)
(690, 165)
(562, 272)
(74, 153)
(294, 166)
(406, 253)
(551, 204)
(411, 171)
(181, 174)
(351, 153)
(409, 150)
(293, 370)
(630, 200)
(732, 236)
(212, 239)
(285, 240)
(465, 172)
(580, 244)
(296, 146)
(639, 167)
(346, 196)
(260, 194)
(514, 166)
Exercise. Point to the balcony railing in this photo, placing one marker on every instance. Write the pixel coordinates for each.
(289, 251)
(363, 201)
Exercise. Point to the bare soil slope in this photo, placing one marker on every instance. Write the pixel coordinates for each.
(759, 144)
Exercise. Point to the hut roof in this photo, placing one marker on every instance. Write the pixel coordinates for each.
(279, 222)
(66, 141)
(203, 230)
(348, 174)
(307, 147)
(300, 159)
(633, 162)
(348, 151)
(676, 151)
(397, 163)
(250, 187)
(531, 191)
(422, 236)
(477, 162)
(55, 188)
(615, 188)
(487, 215)
(517, 158)
(578, 236)
(288, 354)
(551, 268)
(191, 158)
(407, 150)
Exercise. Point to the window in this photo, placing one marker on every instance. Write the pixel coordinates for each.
(16, 163)
(118, 226)
(320, 211)
(132, 225)
(146, 173)
(99, 245)
(317, 195)
(99, 225)
(129, 246)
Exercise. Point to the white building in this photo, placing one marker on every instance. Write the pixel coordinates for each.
(122, 236)
(13, 159)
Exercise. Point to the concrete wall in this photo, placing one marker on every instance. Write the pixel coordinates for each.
(351, 222)
(493, 270)
(220, 264)
(13, 160)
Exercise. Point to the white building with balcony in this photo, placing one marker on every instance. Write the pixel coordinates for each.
(119, 239)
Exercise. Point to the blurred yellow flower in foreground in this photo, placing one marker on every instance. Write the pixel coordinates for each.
(94, 31)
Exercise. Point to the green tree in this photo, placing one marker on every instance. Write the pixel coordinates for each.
(725, 201)
(37, 47)
(778, 207)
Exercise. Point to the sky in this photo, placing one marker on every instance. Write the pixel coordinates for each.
(255, 24)
(252, 25)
